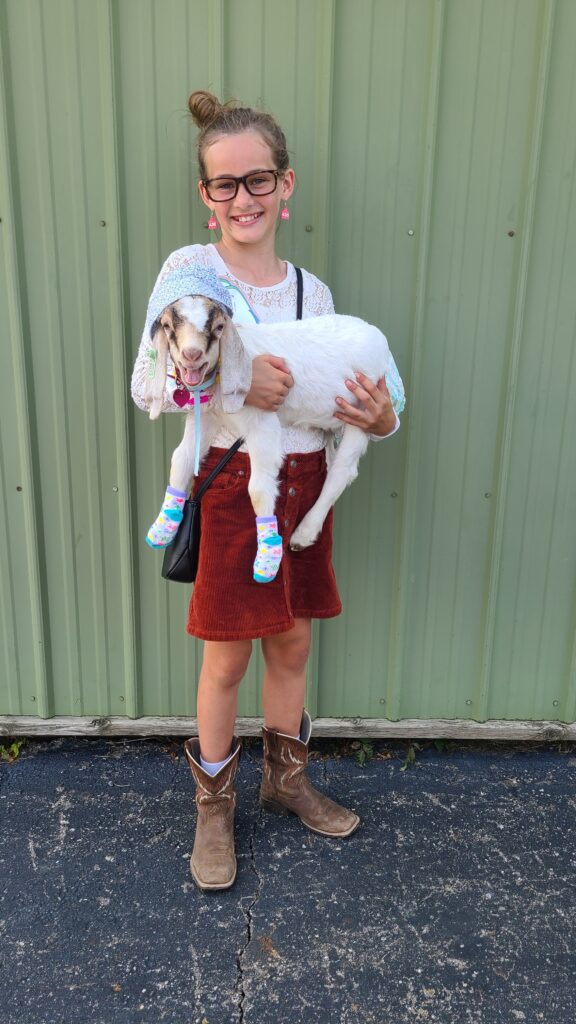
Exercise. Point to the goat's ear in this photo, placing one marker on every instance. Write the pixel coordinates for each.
(159, 366)
(235, 369)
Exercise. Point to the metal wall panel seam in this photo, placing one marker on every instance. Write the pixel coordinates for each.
(61, 491)
(487, 269)
(526, 219)
(121, 389)
(320, 201)
(152, 86)
(325, 34)
(153, 660)
(553, 312)
(433, 618)
(320, 205)
(415, 429)
(59, 516)
(22, 401)
(12, 674)
(570, 705)
(96, 654)
(569, 688)
(216, 48)
(392, 195)
(358, 285)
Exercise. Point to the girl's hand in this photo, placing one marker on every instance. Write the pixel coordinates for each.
(271, 382)
(376, 414)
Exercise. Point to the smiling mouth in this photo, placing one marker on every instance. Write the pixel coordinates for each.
(247, 218)
(192, 376)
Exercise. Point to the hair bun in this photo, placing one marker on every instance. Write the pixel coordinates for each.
(205, 107)
(215, 120)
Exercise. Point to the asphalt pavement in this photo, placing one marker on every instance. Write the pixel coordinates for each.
(453, 903)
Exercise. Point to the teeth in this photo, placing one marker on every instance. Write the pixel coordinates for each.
(247, 218)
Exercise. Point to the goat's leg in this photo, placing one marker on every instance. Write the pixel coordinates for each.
(343, 470)
(182, 465)
(263, 435)
(165, 526)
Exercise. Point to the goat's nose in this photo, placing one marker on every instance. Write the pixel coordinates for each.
(192, 355)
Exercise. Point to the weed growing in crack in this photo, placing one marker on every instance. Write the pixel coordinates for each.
(12, 751)
(363, 751)
(410, 755)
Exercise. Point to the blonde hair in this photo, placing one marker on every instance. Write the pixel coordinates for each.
(215, 119)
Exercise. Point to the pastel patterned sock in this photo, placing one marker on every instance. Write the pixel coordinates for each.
(163, 529)
(269, 553)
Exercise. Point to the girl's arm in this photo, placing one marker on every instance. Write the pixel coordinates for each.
(378, 413)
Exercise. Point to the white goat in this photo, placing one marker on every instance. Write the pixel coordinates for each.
(321, 352)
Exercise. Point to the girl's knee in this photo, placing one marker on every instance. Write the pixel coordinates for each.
(226, 663)
(290, 650)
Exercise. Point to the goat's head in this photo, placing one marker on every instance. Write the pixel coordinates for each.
(190, 329)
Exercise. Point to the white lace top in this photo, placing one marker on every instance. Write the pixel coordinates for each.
(271, 305)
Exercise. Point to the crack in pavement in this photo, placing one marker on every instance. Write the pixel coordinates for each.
(247, 911)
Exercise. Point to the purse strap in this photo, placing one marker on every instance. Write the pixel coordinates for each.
(299, 293)
(212, 476)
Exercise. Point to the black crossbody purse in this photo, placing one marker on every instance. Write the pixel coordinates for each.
(180, 563)
(181, 556)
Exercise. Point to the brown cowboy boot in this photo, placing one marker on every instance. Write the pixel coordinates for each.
(285, 787)
(213, 862)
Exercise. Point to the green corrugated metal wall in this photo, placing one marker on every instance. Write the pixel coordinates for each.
(434, 143)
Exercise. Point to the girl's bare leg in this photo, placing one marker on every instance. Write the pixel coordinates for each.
(289, 790)
(284, 687)
(223, 667)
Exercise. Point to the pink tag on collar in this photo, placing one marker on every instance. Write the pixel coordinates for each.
(182, 397)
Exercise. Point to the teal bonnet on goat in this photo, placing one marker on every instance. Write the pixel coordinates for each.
(183, 281)
(235, 366)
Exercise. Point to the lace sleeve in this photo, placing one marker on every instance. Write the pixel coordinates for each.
(317, 296)
(145, 365)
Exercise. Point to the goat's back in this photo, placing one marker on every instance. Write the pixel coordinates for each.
(321, 352)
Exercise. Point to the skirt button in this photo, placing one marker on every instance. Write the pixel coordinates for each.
(291, 491)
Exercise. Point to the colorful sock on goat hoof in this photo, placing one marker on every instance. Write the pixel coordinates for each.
(164, 528)
(269, 553)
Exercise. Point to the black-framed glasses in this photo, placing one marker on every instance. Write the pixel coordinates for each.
(259, 183)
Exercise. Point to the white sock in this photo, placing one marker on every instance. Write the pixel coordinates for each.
(213, 767)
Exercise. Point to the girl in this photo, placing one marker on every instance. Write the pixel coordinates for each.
(246, 182)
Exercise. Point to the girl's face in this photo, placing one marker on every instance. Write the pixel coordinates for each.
(245, 219)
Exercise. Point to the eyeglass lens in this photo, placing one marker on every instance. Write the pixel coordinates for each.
(261, 183)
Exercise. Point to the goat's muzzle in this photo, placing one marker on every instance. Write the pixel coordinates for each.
(193, 375)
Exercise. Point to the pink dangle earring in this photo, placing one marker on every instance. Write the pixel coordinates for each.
(285, 215)
(212, 222)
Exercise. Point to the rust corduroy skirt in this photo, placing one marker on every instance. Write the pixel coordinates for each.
(226, 603)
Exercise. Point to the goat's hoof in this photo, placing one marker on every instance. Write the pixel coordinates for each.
(301, 539)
